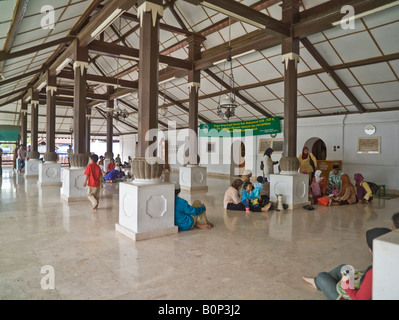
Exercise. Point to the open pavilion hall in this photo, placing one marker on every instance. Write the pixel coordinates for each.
(193, 95)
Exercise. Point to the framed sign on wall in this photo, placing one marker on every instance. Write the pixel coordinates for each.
(369, 145)
(275, 144)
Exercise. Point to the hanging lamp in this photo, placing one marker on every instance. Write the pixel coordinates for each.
(227, 106)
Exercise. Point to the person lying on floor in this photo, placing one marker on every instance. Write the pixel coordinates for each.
(114, 175)
(187, 217)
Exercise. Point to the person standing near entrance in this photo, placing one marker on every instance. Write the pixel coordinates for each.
(307, 163)
(21, 158)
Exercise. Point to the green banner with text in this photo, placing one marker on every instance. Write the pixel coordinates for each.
(245, 128)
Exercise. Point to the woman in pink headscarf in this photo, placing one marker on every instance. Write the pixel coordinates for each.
(363, 190)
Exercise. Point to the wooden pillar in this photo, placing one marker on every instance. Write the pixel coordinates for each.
(80, 74)
(290, 58)
(149, 13)
(88, 131)
(50, 114)
(194, 84)
(110, 128)
(24, 123)
(34, 126)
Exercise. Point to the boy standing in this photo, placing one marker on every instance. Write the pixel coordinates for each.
(93, 180)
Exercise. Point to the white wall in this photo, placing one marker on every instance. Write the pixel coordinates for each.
(336, 131)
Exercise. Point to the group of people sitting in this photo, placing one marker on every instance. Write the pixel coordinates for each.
(338, 189)
(113, 172)
(253, 198)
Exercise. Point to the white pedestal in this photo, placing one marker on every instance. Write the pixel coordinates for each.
(385, 267)
(32, 167)
(49, 174)
(193, 178)
(293, 187)
(146, 211)
(72, 185)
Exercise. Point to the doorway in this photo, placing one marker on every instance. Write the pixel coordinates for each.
(319, 150)
(318, 147)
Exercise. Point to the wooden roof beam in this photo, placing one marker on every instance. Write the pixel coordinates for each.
(326, 67)
(246, 14)
(117, 51)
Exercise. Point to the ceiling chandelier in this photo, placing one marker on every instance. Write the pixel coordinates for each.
(227, 106)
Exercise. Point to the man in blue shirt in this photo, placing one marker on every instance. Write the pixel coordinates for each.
(187, 217)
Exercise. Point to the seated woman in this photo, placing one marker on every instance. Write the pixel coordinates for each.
(327, 282)
(318, 186)
(114, 175)
(334, 179)
(347, 194)
(363, 191)
(187, 217)
(232, 197)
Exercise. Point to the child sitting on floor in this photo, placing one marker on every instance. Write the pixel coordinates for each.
(258, 187)
(249, 200)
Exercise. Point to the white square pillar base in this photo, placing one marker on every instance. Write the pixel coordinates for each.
(49, 174)
(193, 178)
(385, 267)
(147, 210)
(32, 168)
(72, 185)
(293, 187)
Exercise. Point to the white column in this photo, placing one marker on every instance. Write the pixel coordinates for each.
(386, 266)
(72, 185)
(49, 174)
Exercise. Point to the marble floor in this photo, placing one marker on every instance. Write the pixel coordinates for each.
(260, 256)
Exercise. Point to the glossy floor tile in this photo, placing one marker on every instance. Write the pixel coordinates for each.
(260, 256)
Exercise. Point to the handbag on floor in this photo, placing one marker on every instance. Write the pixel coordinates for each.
(324, 201)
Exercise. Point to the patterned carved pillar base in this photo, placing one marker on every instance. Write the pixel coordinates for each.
(292, 185)
(51, 157)
(146, 206)
(193, 178)
(73, 178)
(49, 174)
(147, 170)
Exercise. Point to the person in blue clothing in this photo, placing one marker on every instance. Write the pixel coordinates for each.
(258, 187)
(187, 217)
(114, 175)
(250, 201)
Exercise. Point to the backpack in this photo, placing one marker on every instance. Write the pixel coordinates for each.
(373, 187)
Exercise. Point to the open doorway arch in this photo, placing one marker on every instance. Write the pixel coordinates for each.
(318, 147)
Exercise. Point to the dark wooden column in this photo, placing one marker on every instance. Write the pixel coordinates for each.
(290, 57)
(34, 126)
(110, 128)
(50, 111)
(81, 56)
(149, 74)
(24, 123)
(194, 83)
(88, 131)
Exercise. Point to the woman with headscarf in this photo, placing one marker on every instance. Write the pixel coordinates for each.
(268, 164)
(327, 281)
(307, 163)
(347, 195)
(318, 186)
(363, 191)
